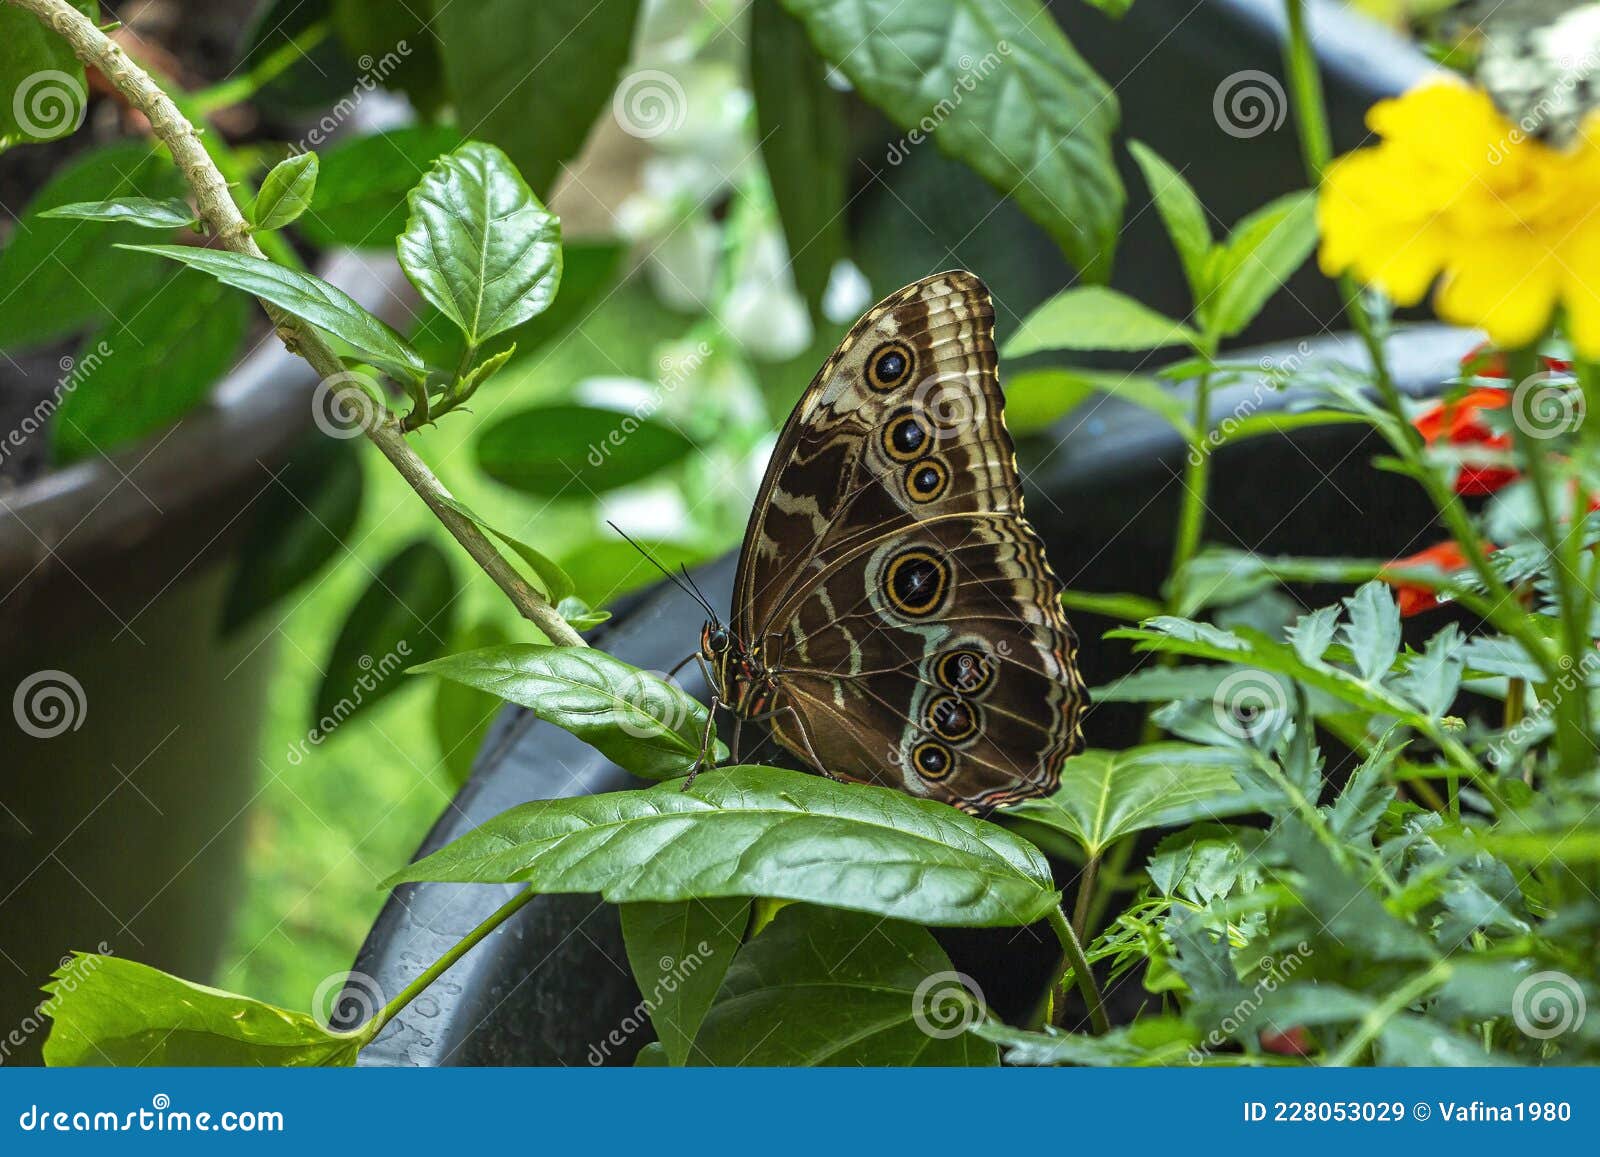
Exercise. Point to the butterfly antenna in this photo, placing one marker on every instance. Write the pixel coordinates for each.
(699, 594)
(689, 590)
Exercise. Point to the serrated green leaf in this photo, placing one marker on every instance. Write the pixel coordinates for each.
(166, 213)
(286, 192)
(1092, 317)
(1355, 814)
(1373, 630)
(679, 953)
(1181, 212)
(762, 831)
(109, 1011)
(823, 987)
(1255, 261)
(1432, 678)
(308, 298)
(479, 245)
(1032, 117)
(636, 719)
(1313, 634)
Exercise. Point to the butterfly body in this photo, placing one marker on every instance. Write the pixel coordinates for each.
(895, 619)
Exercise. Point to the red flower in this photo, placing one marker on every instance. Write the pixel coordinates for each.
(1460, 423)
(1290, 1042)
(1413, 599)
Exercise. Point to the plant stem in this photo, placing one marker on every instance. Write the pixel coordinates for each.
(1072, 957)
(1305, 87)
(442, 965)
(1196, 481)
(218, 211)
(1081, 906)
(1386, 1010)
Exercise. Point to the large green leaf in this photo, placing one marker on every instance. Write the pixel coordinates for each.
(479, 245)
(360, 199)
(59, 276)
(801, 128)
(762, 831)
(573, 450)
(1258, 257)
(110, 1011)
(150, 367)
(532, 78)
(996, 85)
(1092, 317)
(1373, 630)
(679, 954)
(403, 617)
(297, 524)
(1105, 795)
(823, 987)
(308, 298)
(43, 95)
(636, 719)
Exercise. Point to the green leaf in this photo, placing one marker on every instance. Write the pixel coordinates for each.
(286, 192)
(636, 719)
(479, 245)
(360, 198)
(1147, 393)
(150, 368)
(462, 714)
(679, 953)
(554, 581)
(1432, 678)
(61, 276)
(1205, 863)
(1355, 814)
(308, 298)
(1037, 399)
(299, 523)
(800, 125)
(110, 1011)
(762, 831)
(403, 617)
(1003, 90)
(1151, 1040)
(1373, 630)
(1128, 607)
(43, 94)
(568, 449)
(580, 615)
(822, 987)
(1181, 212)
(1258, 257)
(1312, 634)
(532, 78)
(1092, 317)
(1161, 684)
(1105, 795)
(167, 213)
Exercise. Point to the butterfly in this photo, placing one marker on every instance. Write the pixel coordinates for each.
(895, 620)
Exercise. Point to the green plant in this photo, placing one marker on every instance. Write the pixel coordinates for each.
(1403, 901)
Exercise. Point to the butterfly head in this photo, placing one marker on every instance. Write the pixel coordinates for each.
(743, 682)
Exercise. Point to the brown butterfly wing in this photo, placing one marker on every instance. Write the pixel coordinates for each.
(890, 578)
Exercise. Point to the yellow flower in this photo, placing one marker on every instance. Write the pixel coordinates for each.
(1455, 192)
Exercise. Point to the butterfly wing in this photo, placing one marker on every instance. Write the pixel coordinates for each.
(890, 579)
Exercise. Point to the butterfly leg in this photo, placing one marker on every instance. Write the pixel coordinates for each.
(805, 738)
(704, 760)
